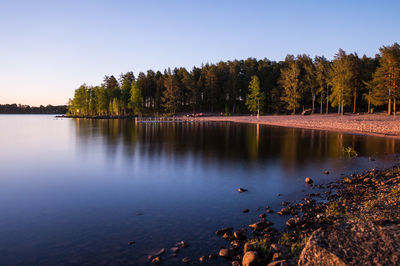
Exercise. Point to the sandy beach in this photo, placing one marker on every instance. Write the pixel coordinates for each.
(364, 124)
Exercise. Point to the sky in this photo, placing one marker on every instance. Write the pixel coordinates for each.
(49, 48)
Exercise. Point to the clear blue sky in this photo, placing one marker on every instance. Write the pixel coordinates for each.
(49, 48)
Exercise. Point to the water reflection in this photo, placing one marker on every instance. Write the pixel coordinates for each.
(226, 142)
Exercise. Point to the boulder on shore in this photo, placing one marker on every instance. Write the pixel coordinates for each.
(250, 258)
(360, 243)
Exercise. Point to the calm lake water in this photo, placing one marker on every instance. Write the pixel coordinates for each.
(75, 192)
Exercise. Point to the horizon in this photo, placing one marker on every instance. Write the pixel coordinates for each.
(50, 49)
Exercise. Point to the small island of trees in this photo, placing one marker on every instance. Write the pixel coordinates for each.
(347, 83)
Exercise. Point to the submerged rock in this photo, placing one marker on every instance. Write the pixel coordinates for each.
(308, 180)
(245, 210)
(156, 260)
(240, 190)
(185, 260)
(203, 259)
(223, 230)
(175, 249)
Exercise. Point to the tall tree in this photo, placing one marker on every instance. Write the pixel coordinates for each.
(126, 85)
(255, 98)
(80, 103)
(136, 100)
(290, 82)
(386, 79)
(322, 67)
(171, 93)
(307, 79)
(340, 78)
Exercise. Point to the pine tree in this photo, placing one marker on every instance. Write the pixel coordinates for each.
(255, 98)
(386, 79)
(340, 78)
(171, 94)
(289, 80)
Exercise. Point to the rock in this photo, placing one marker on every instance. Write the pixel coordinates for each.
(292, 222)
(250, 258)
(225, 253)
(308, 180)
(246, 210)
(240, 234)
(262, 215)
(240, 190)
(284, 211)
(212, 256)
(267, 207)
(276, 247)
(269, 211)
(224, 230)
(175, 249)
(227, 236)
(203, 259)
(235, 244)
(156, 260)
(360, 243)
(371, 159)
(306, 112)
(235, 263)
(249, 246)
(182, 244)
(284, 203)
(326, 172)
(160, 252)
(185, 260)
(260, 225)
(131, 243)
(277, 256)
(278, 263)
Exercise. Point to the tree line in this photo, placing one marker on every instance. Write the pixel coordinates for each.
(26, 109)
(346, 83)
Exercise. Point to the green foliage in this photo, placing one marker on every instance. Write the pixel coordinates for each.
(350, 152)
(136, 100)
(340, 78)
(290, 81)
(250, 84)
(255, 98)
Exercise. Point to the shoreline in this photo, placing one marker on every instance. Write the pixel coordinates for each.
(349, 221)
(377, 125)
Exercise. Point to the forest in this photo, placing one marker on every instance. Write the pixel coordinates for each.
(348, 83)
(26, 109)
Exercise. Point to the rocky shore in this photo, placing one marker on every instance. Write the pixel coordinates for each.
(355, 220)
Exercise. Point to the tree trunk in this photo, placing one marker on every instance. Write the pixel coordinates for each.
(313, 101)
(322, 98)
(369, 102)
(394, 107)
(389, 106)
(354, 103)
(327, 99)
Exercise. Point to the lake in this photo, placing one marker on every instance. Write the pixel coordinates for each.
(76, 191)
